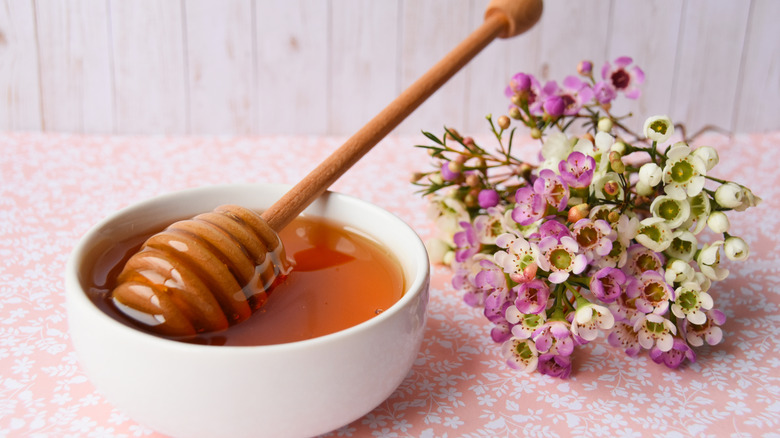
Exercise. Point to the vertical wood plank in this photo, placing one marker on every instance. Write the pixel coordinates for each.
(74, 53)
(19, 80)
(364, 47)
(647, 31)
(430, 29)
(711, 44)
(220, 66)
(149, 67)
(292, 66)
(758, 99)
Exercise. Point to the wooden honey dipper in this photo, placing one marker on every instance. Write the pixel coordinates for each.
(214, 270)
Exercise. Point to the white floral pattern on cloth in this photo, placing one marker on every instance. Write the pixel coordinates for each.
(54, 187)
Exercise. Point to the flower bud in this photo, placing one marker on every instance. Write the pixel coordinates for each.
(658, 128)
(613, 217)
(517, 99)
(515, 113)
(736, 249)
(585, 68)
(436, 179)
(605, 124)
(468, 141)
(718, 222)
(616, 162)
(470, 200)
(536, 133)
(650, 174)
(729, 195)
(578, 212)
(488, 198)
(416, 176)
(618, 147)
(472, 180)
(503, 122)
(708, 155)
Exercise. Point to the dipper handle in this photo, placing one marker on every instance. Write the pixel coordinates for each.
(503, 18)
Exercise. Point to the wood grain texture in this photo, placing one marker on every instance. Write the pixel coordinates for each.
(149, 67)
(429, 30)
(19, 69)
(292, 66)
(75, 65)
(364, 56)
(758, 92)
(245, 67)
(220, 66)
(711, 44)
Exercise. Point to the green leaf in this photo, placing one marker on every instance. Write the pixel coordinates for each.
(433, 138)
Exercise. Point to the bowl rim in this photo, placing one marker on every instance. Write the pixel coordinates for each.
(75, 292)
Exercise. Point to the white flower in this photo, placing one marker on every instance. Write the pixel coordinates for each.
(437, 250)
(650, 174)
(736, 249)
(518, 256)
(448, 213)
(521, 354)
(589, 318)
(700, 211)
(708, 260)
(718, 222)
(684, 245)
(653, 329)
(555, 148)
(729, 195)
(679, 272)
(684, 173)
(489, 226)
(658, 128)
(690, 301)
(673, 211)
(708, 155)
(654, 234)
(748, 200)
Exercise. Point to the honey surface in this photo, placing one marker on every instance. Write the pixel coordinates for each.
(340, 278)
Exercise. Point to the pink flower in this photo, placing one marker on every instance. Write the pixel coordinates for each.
(552, 188)
(577, 170)
(532, 296)
(640, 259)
(710, 332)
(623, 336)
(568, 100)
(466, 242)
(554, 337)
(593, 236)
(651, 291)
(624, 78)
(606, 284)
(674, 357)
(554, 365)
(530, 206)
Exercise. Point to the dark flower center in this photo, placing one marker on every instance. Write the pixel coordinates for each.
(620, 79)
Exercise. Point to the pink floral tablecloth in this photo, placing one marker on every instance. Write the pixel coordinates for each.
(54, 187)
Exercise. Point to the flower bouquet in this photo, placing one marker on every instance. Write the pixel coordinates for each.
(603, 233)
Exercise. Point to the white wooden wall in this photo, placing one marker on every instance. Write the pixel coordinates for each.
(257, 67)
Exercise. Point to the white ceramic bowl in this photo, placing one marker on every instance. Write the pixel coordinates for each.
(297, 389)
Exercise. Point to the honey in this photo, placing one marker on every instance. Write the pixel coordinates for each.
(340, 278)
